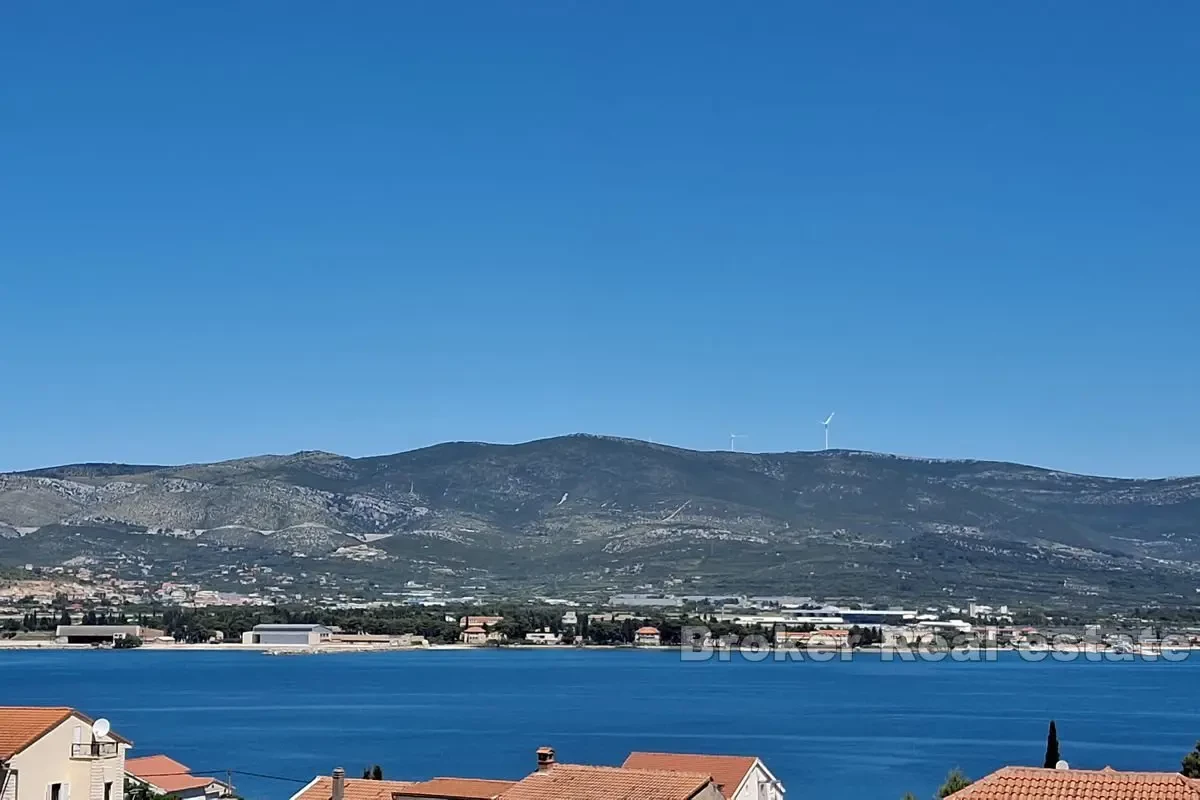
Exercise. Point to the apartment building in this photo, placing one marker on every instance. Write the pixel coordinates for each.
(59, 754)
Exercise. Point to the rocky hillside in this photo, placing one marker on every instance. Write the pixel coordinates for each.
(588, 511)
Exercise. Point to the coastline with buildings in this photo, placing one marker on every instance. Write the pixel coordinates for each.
(45, 614)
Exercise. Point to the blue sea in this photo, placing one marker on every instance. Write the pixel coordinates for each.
(853, 730)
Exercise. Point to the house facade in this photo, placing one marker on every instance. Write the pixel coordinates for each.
(647, 636)
(59, 754)
(474, 635)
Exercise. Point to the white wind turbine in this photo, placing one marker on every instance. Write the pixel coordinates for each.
(733, 437)
(826, 424)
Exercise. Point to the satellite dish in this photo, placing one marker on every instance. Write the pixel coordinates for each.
(100, 728)
(1062, 765)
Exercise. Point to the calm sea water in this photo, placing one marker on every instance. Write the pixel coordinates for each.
(857, 730)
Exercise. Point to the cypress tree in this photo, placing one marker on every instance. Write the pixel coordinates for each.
(1052, 754)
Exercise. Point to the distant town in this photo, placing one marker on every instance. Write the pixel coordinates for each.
(76, 606)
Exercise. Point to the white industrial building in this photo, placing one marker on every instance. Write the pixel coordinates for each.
(287, 634)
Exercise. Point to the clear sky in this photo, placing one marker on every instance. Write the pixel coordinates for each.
(970, 229)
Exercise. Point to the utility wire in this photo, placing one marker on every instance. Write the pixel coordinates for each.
(192, 774)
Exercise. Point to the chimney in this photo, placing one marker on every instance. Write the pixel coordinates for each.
(545, 758)
(339, 784)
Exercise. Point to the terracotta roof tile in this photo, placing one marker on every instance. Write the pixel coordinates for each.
(456, 789)
(21, 726)
(1034, 783)
(575, 782)
(356, 789)
(727, 772)
(166, 773)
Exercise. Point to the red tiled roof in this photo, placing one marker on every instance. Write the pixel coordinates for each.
(1035, 783)
(648, 631)
(356, 789)
(166, 773)
(727, 772)
(474, 629)
(21, 726)
(575, 782)
(456, 789)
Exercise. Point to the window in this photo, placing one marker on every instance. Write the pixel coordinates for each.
(108, 790)
(56, 791)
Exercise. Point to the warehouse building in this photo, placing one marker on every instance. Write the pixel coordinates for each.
(103, 634)
(287, 634)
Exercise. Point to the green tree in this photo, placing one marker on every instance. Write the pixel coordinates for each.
(64, 618)
(1052, 754)
(955, 781)
(127, 643)
(1191, 763)
(376, 773)
(909, 796)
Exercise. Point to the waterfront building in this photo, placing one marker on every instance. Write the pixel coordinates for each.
(543, 637)
(647, 636)
(57, 754)
(827, 638)
(287, 634)
(474, 635)
(103, 634)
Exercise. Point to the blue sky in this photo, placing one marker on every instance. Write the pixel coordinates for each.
(969, 229)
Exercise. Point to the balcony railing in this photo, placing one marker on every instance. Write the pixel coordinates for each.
(93, 750)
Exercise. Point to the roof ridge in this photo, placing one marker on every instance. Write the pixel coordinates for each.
(688, 755)
(1090, 770)
(1049, 782)
(461, 778)
(609, 768)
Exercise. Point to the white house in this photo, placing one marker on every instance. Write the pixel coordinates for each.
(647, 636)
(737, 777)
(543, 637)
(59, 754)
(475, 634)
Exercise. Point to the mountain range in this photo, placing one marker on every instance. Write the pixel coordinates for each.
(596, 514)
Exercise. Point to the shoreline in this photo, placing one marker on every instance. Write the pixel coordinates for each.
(701, 654)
